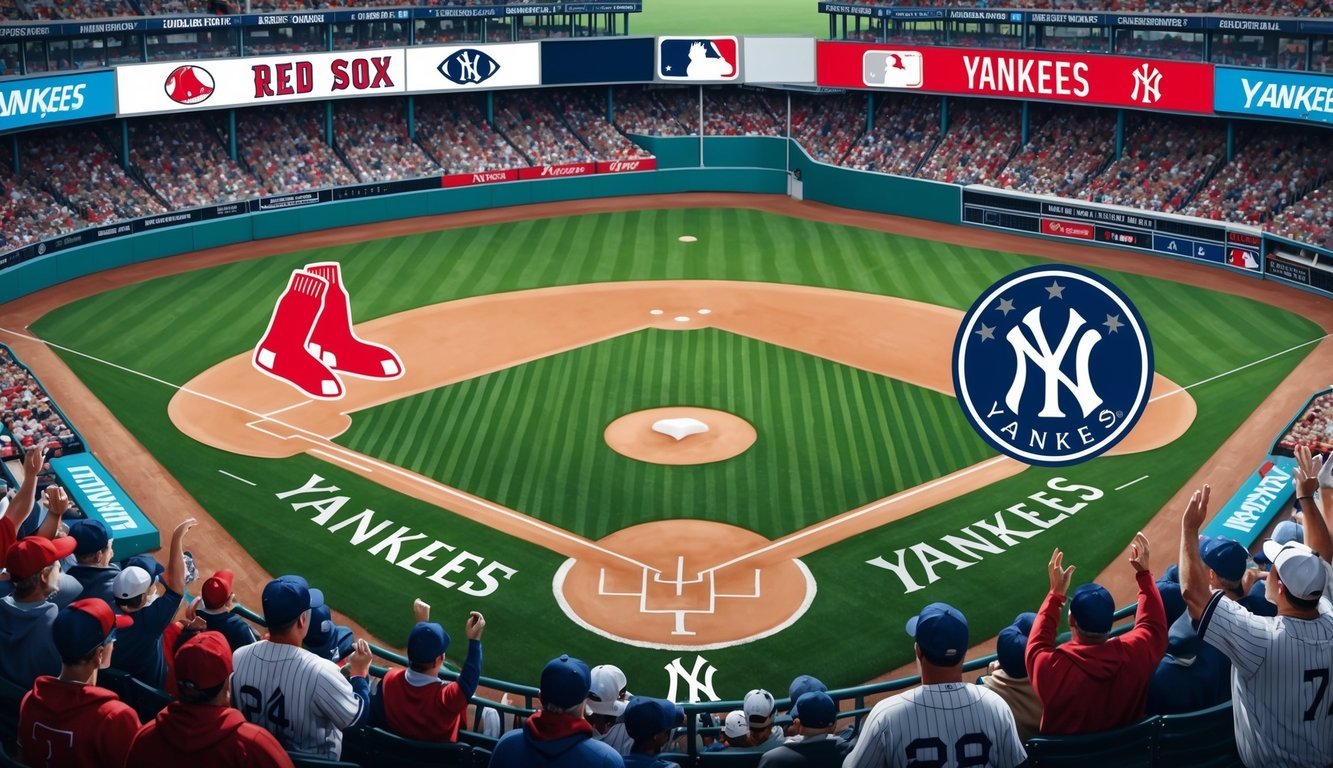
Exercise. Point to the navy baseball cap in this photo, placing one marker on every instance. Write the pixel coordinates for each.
(565, 682)
(84, 625)
(1226, 556)
(646, 717)
(1024, 622)
(427, 642)
(89, 536)
(1172, 600)
(153, 568)
(817, 710)
(1092, 608)
(1172, 573)
(322, 636)
(941, 632)
(1010, 645)
(802, 685)
(286, 598)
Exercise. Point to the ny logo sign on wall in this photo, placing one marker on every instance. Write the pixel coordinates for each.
(1042, 376)
(698, 689)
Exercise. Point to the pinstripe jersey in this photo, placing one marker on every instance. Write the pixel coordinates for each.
(942, 726)
(299, 697)
(1281, 691)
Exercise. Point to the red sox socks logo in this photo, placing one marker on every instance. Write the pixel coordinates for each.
(310, 340)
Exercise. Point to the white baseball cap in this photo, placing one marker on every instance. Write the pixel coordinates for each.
(735, 725)
(759, 707)
(131, 582)
(608, 695)
(1300, 570)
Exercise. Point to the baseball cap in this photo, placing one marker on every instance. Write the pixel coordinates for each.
(735, 726)
(1226, 556)
(1092, 608)
(802, 685)
(286, 598)
(203, 662)
(608, 684)
(83, 625)
(151, 566)
(565, 682)
(1024, 621)
(1172, 573)
(646, 717)
(1010, 646)
(758, 707)
(91, 536)
(1299, 569)
(941, 632)
(31, 554)
(427, 642)
(131, 582)
(217, 589)
(1172, 601)
(817, 710)
(1288, 531)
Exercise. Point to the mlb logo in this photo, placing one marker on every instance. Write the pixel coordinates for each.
(698, 58)
(1242, 259)
(893, 69)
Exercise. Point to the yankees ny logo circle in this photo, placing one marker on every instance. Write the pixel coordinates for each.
(1053, 365)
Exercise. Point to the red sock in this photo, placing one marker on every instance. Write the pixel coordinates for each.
(282, 352)
(335, 343)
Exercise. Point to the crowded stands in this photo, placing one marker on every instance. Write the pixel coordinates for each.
(454, 131)
(538, 132)
(372, 134)
(184, 161)
(285, 148)
(981, 139)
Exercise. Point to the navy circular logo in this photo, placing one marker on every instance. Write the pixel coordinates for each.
(1053, 365)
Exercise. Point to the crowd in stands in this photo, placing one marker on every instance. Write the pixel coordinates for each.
(1166, 160)
(1313, 428)
(983, 135)
(1065, 150)
(585, 111)
(1268, 173)
(453, 130)
(28, 213)
(827, 127)
(538, 132)
(742, 113)
(26, 412)
(657, 111)
(906, 129)
(285, 148)
(1309, 219)
(184, 161)
(1248, 7)
(78, 168)
(372, 134)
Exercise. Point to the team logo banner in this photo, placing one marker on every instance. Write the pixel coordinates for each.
(1053, 365)
(698, 59)
(175, 86)
(1286, 95)
(1118, 81)
(49, 100)
(473, 67)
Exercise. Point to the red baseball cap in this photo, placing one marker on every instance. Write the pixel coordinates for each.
(203, 662)
(217, 589)
(84, 625)
(30, 555)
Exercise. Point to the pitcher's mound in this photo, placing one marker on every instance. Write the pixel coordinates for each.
(637, 436)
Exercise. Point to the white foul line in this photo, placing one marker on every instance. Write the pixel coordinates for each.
(1131, 482)
(237, 477)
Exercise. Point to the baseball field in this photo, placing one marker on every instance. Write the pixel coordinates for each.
(838, 490)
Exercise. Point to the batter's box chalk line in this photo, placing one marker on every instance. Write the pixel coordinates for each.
(679, 613)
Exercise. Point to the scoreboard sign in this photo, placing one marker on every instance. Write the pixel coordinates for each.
(1180, 236)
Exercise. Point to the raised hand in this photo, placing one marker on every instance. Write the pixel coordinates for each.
(420, 610)
(1308, 467)
(1138, 552)
(1196, 510)
(1059, 575)
(358, 664)
(475, 624)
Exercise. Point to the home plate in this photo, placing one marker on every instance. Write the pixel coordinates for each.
(680, 428)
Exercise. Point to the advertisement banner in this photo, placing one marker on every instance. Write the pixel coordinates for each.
(605, 60)
(698, 59)
(628, 166)
(1267, 93)
(145, 89)
(557, 171)
(1116, 81)
(100, 497)
(473, 67)
(49, 100)
(1072, 229)
(482, 177)
(1265, 493)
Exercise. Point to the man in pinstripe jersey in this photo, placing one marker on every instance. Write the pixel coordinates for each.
(944, 722)
(1280, 666)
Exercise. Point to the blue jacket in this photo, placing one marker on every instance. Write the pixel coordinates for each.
(547, 741)
(1192, 676)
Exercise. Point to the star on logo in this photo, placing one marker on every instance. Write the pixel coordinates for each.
(1006, 306)
(1113, 323)
(1055, 291)
(987, 333)
(668, 67)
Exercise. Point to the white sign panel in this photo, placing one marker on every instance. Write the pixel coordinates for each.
(473, 67)
(217, 83)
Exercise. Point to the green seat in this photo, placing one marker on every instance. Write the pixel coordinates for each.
(1204, 739)
(732, 758)
(388, 750)
(305, 761)
(1128, 747)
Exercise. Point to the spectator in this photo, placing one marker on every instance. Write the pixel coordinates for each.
(141, 643)
(26, 615)
(760, 708)
(416, 703)
(326, 639)
(906, 729)
(650, 723)
(200, 729)
(1191, 677)
(818, 746)
(67, 720)
(1008, 676)
(300, 698)
(557, 736)
(800, 685)
(607, 699)
(372, 134)
(1095, 682)
(735, 734)
(218, 600)
(1227, 560)
(93, 552)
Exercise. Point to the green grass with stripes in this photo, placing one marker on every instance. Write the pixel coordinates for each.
(175, 327)
(830, 437)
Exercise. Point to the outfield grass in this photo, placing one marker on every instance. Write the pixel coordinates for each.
(174, 328)
(830, 437)
(732, 17)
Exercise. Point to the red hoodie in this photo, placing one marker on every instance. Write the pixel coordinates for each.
(72, 725)
(426, 713)
(205, 736)
(1089, 688)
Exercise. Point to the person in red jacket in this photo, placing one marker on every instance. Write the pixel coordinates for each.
(415, 703)
(200, 729)
(1095, 682)
(68, 721)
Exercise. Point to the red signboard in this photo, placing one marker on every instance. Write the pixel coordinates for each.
(557, 171)
(1115, 81)
(483, 177)
(625, 166)
(1061, 228)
